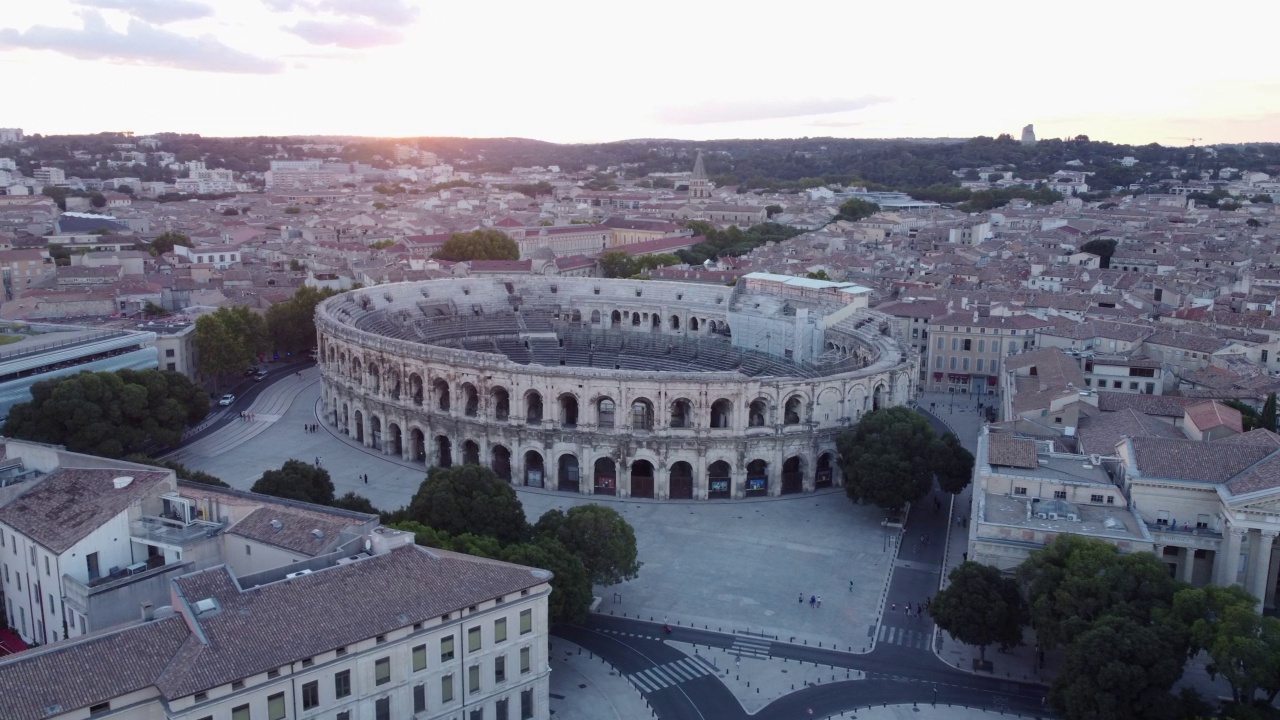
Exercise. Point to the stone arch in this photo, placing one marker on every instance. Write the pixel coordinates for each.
(635, 319)
(642, 478)
(346, 419)
(501, 404)
(878, 398)
(533, 408)
(568, 473)
(757, 478)
(615, 317)
(359, 419)
(568, 410)
(470, 400)
(535, 474)
(604, 476)
(824, 475)
(576, 316)
(415, 388)
(393, 383)
(758, 412)
(375, 431)
(792, 475)
(595, 317)
(418, 445)
(675, 322)
(500, 461)
(656, 323)
(470, 452)
(793, 410)
(375, 379)
(681, 413)
(444, 451)
(605, 410)
(440, 389)
(719, 480)
(693, 324)
(680, 481)
(721, 414)
(357, 371)
(828, 405)
(395, 442)
(641, 414)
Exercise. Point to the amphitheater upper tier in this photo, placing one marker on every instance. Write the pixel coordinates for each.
(621, 387)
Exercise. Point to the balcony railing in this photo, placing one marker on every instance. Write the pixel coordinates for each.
(1185, 530)
(172, 532)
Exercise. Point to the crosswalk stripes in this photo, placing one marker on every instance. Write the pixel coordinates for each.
(904, 637)
(750, 647)
(673, 673)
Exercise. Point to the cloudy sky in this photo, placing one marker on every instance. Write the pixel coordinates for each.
(595, 70)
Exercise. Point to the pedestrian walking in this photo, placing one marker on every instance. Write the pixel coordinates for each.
(366, 478)
(813, 601)
(800, 599)
(907, 610)
(895, 607)
(919, 609)
(850, 586)
(819, 601)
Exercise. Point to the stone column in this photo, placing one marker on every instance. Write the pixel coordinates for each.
(1226, 565)
(1260, 555)
(662, 482)
(1187, 569)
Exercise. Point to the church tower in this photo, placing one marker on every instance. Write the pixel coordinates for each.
(699, 185)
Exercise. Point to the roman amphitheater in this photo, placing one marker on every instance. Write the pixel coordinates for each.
(613, 387)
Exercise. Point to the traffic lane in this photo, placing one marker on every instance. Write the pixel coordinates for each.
(832, 698)
(679, 633)
(631, 655)
(246, 391)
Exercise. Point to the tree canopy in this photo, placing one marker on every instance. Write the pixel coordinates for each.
(112, 414)
(229, 341)
(598, 536)
(732, 240)
(571, 585)
(484, 244)
(166, 241)
(469, 498)
(1118, 669)
(1104, 249)
(980, 607)
(855, 209)
(620, 264)
(291, 325)
(889, 458)
(297, 480)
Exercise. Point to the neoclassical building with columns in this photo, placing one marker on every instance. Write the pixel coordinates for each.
(631, 388)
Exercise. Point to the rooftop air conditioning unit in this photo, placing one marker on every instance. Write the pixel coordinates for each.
(300, 573)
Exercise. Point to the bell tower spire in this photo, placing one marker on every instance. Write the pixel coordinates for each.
(699, 185)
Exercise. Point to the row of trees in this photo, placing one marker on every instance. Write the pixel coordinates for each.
(297, 480)
(619, 264)
(483, 244)
(232, 339)
(1127, 628)
(732, 240)
(111, 414)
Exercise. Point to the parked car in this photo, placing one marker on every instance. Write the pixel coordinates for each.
(253, 370)
(227, 400)
(260, 375)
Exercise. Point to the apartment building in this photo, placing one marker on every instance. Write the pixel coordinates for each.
(23, 269)
(966, 350)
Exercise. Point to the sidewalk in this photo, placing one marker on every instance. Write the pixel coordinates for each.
(585, 687)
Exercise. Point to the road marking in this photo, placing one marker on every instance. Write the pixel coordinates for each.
(751, 648)
(673, 673)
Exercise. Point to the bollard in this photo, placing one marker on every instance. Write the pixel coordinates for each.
(579, 651)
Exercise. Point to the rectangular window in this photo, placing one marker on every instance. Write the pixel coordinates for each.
(473, 678)
(1202, 522)
(500, 711)
(526, 704)
(526, 659)
(968, 344)
(446, 688)
(382, 709)
(941, 344)
(500, 630)
(980, 365)
(99, 709)
(526, 622)
(955, 344)
(1019, 491)
(168, 352)
(91, 560)
(46, 565)
(273, 674)
(382, 671)
(344, 715)
(419, 698)
(340, 652)
(1095, 498)
(966, 365)
(248, 550)
(275, 707)
(379, 639)
(500, 669)
(1060, 494)
(473, 639)
(477, 714)
(982, 345)
(240, 713)
(342, 684)
(420, 658)
(237, 684)
(937, 365)
(1133, 386)
(446, 649)
(995, 346)
(953, 363)
(310, 694)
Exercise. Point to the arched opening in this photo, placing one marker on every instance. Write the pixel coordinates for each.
(656, 322)
(396, 445)
(604, 412)
(533, 408)
(533, 470)
(440, 389)
(641, 415)
(346, 420)
(595, 317)
(641, 479)
(393, 384)
(359, 419)
(567, 477)
(418, 442)
(757, 412)
(721, 413)
(681, 481)
(501, 403)
(675, 322)
(681, 414)
(415, 388)
(877, 400)
(606, 477)
(357, 371)
(470, 400)
(719, 481)
(792, 475)
(375, 431)
(615, 318)
(757, 478)
(375, 380)
(501, 462)
(824, 476)
(791, 412)
(568, 411)
(470, 453)
(635, 319)
(576, 316)
(693, 324)
(444, 452)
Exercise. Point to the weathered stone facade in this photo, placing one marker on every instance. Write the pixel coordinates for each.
(392, 381)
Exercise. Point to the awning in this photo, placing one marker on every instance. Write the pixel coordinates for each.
(937, 376)
(991, 380)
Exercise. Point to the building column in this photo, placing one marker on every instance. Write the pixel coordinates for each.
(662, 482)
(1188, 567)
(1226, 565)
(1260, 554)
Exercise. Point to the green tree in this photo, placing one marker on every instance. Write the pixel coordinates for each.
(1268, 419)
(1253, 222)
(980, 607)
(59, 195)
(297, 480)
(819, 275)
(112, 414)
(954, 467)
(771, 210)
(468, 498)
(165, 242)
(98, 200)
(889, 458)
(1104, 249)
(484, 244)
(293, 210)
(1119, 668)
(180, 470)
(229, 341)
(230, 211)
(616, 264)
(570, 598)
(1243, 646)
(291, 325)
(1250, 419)
(855, 209)
(294, 265)
(598, 536)
(358, 503)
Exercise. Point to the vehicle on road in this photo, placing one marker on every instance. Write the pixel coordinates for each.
(253, 370)
(260, 375)
(227, 400)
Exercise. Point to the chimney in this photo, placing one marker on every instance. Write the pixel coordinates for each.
(147, 612)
